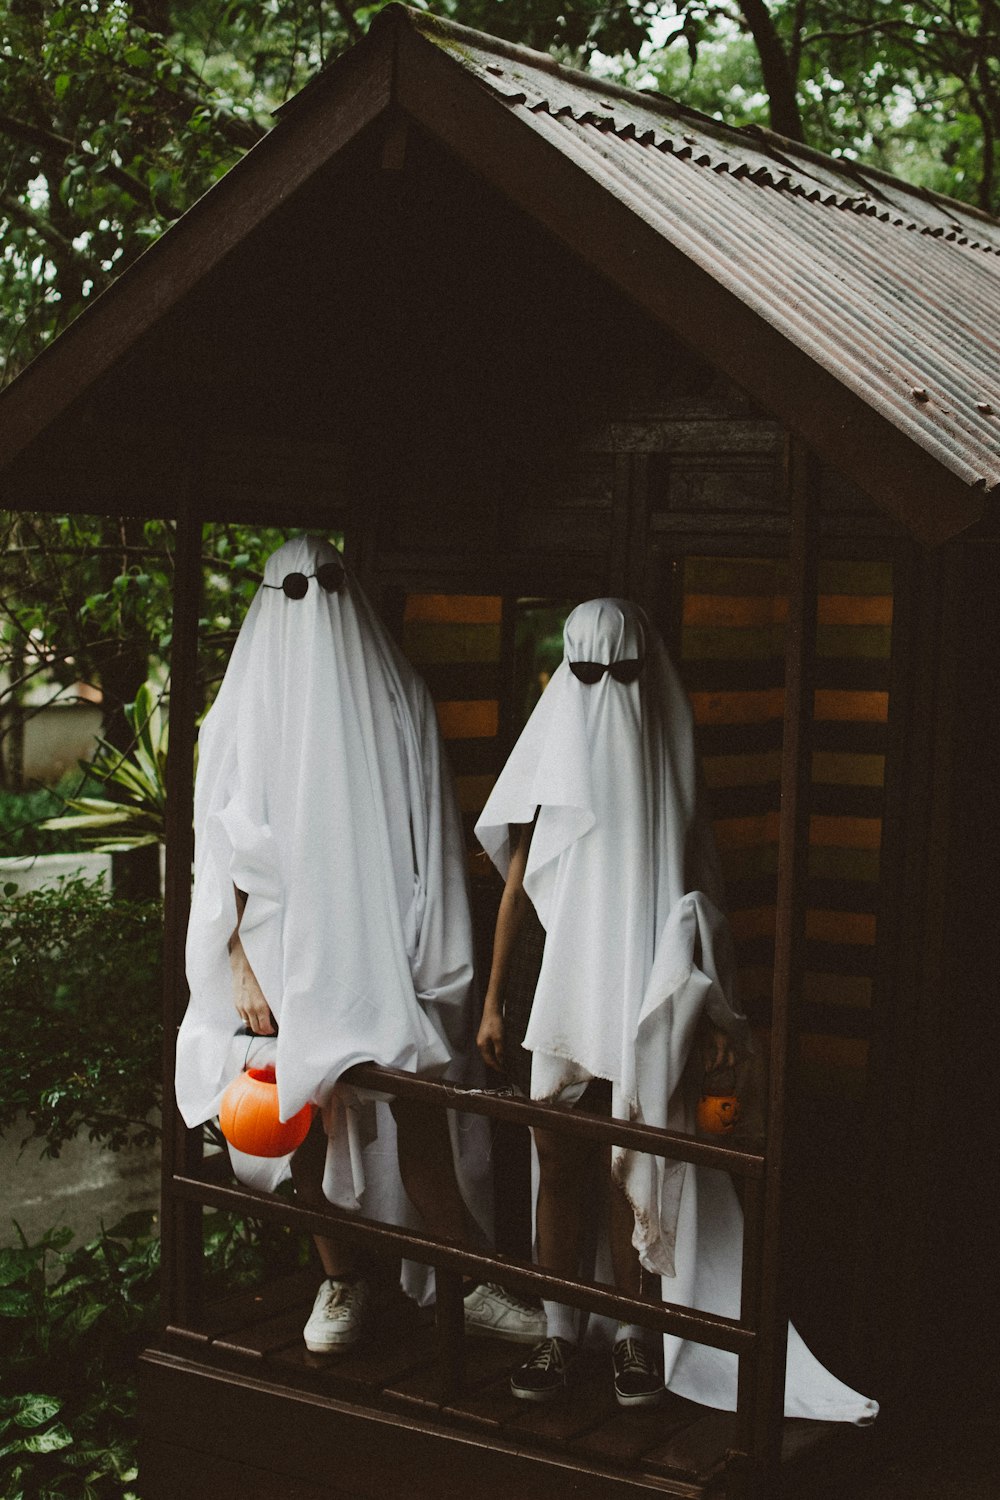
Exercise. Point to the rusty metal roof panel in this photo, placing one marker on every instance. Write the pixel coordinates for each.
(894, 290)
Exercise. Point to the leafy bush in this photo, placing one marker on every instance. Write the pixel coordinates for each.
(72, 1323)
(80, 988)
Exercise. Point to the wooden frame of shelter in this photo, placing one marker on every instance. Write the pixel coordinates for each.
(826, 320)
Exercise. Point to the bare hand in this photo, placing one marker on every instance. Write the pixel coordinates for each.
(490, 1039)
(716, 1049)
(248, 997)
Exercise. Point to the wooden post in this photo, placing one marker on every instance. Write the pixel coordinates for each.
(180, 1220)
(450, 1320)
(793, 850)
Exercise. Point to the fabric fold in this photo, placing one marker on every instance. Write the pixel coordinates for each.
(623, 872)
(323, 794)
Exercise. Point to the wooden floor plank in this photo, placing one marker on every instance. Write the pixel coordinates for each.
(630, 1433)
(243, 1308)
(586, 1403)
(363, 1372)
(697, 1450)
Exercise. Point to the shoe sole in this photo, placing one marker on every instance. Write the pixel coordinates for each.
(537, 1396)
(340, 1347)
(650, 1398)
(509, 1335)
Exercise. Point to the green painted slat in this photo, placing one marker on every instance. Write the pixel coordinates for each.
(735, 575)
(826, 863)
(853, 641)
(425, 641)
(839, 575)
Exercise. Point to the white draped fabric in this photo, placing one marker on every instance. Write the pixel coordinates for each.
(323, 794)
(624, 875)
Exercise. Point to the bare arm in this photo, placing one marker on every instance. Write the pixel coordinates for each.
(513, 905)
(248, 997)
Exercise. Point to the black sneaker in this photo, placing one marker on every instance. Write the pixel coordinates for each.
(545, 1372)
(638, 1382)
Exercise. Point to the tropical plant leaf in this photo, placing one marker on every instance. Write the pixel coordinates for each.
(15, 1304)
(49, 1441)
(35, 1410)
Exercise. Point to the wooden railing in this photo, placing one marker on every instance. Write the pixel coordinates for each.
(208, 1184)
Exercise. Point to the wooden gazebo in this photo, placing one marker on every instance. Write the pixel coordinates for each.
(526, 337)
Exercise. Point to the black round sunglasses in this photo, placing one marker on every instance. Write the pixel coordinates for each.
(590, 672)
(329, 575)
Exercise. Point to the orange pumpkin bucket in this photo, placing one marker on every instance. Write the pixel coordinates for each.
(249, 1119)
(718, 1113)
(719, 1105)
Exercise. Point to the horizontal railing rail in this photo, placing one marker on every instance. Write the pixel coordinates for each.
(208, 1185)
(745, 1161)
(449, 1255)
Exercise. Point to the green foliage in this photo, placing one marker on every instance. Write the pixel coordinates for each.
(72, 1322)
(118, 115)
(89, 599)
(905, 86)
(138, 818)
(80, 990)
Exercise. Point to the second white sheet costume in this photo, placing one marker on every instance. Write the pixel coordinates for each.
(322, 793)
(624, 875)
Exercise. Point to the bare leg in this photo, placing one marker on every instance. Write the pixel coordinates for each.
(337, 1258)
(427, 1167)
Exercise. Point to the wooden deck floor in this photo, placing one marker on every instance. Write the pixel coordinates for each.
(241, 1408)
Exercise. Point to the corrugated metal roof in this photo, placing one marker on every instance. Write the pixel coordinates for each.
(894, 290)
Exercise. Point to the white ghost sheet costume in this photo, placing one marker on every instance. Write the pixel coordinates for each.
(323, 794)
(624, 875)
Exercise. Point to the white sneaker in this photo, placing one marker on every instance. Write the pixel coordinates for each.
(491, 1309)
(338, 1316)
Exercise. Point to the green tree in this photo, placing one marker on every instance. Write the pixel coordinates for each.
(910, 87)
(117, 114)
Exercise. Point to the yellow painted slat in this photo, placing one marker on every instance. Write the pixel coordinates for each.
(735, 609)
(854, 609)
(471, 719)
(753, 922)
(742, 833)
(845, 833)
(759, 706)
(455, 609)
(742, 770)
(841, 768)
(845, 705)
(850, 990)
(856, 929)
(853, 927)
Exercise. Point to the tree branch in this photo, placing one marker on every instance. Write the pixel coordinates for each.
(44, 139)
(779, 80)
(61, 247)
